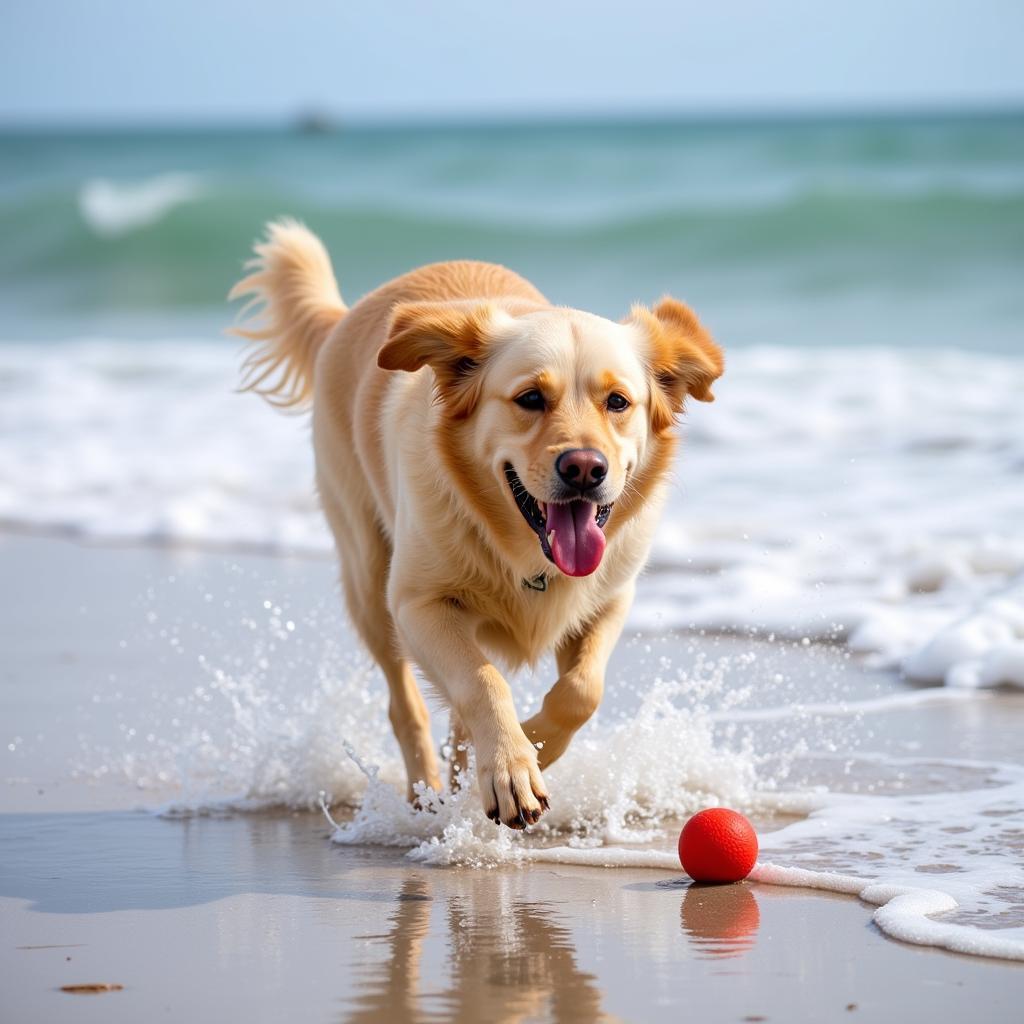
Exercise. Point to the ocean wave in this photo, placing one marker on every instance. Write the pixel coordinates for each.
(179, 240)
(785, 231)
(115, 208)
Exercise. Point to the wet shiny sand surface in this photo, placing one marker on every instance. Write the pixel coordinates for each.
(259, 917)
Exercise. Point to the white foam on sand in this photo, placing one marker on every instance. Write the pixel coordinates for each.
(905, 912)
(944, 867)
(968, 843)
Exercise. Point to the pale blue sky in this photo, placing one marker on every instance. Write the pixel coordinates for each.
(75, 60)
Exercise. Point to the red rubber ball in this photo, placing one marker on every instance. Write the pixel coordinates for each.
(718, 845)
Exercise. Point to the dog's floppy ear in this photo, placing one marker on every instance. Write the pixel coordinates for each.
(450, 337)
(682, 357)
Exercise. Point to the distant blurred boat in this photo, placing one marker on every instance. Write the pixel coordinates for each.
(316, 122)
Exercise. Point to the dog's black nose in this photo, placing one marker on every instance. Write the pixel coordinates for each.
(582, 468)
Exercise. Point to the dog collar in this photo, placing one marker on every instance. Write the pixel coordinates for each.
(539, 582)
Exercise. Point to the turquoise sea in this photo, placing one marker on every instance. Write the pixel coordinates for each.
(847, 231)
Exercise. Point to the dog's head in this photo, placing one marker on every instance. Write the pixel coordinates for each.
(551, 416)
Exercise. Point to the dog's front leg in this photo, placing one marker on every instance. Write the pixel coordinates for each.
(582, 659)
(439, 636)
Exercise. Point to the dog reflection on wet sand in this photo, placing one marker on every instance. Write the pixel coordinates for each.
(507, 963)
(513, 960)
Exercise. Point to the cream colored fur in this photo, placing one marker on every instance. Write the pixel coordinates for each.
(414, 421)
(293, 280)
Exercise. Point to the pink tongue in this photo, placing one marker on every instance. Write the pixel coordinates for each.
(578, 542)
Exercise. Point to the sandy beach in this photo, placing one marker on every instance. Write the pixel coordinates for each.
(259, 915)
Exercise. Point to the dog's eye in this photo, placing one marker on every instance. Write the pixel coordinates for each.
(532, 400)
(617, 402)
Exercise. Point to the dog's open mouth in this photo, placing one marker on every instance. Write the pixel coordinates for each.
(571, 533)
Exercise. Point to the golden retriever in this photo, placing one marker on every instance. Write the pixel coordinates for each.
(492, 468)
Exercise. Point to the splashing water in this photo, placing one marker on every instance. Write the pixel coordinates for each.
(300, 715)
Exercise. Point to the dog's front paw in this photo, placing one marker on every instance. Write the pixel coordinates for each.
(511, 785)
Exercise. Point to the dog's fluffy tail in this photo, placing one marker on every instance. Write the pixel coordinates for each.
(294, 304)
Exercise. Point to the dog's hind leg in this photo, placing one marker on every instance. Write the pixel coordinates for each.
(365, 557)
(458, 743)
(407, 710)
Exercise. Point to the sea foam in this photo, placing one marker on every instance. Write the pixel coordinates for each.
(866, 496)
(115, 208)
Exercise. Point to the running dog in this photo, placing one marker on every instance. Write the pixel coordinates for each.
(492, 468)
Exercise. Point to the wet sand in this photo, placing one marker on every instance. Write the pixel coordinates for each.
(260, 916)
